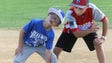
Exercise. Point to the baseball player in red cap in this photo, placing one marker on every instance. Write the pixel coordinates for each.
(80, 24)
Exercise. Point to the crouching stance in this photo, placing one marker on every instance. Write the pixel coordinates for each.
(80, 24)
(37, 37)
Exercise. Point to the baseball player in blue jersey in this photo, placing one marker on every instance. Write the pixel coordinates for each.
(37, 36)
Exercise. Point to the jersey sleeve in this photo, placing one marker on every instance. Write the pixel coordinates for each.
(97, 13)
(71, 21)
(50, 39)
(28, 26)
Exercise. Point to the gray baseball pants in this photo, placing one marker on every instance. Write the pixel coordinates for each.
(27, 51)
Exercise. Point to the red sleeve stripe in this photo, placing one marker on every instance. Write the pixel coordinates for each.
(104, 19)
(75, 29)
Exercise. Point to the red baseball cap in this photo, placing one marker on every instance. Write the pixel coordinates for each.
(80, 3)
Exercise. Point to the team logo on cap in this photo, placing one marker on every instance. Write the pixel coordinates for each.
(77, 1)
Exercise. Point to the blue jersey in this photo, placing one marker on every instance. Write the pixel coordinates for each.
(36, 35)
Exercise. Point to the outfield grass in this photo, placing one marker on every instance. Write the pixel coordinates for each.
(15, 13)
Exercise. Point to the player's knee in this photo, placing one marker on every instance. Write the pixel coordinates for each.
(96, 43)
(54, 58)
(97, 46)
(17, 60)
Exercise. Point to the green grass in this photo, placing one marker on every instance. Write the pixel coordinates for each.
(15, 13)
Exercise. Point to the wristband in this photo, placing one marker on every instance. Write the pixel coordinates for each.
(103, 37)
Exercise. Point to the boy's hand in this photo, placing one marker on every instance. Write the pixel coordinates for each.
(98, 41)
(103, 37)
(94, 28)
(48, 54)
(18, 50)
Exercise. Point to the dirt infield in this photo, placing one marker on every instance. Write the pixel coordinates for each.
(80, 52)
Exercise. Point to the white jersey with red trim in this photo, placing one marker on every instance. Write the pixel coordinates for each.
(85, 21)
